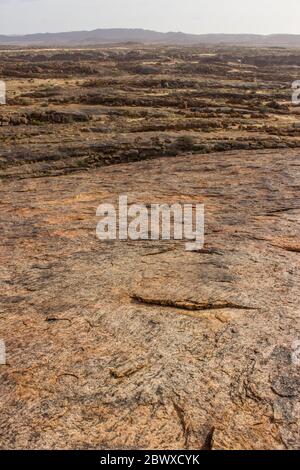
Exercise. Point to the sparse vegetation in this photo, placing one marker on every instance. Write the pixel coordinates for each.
(131, 103)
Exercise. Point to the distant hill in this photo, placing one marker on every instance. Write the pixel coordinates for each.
(114, 36)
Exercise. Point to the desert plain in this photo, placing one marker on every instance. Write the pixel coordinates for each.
(140, 344)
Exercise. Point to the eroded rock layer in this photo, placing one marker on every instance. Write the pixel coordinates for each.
(142, 344)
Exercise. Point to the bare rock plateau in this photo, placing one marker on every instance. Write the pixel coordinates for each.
(140, 344)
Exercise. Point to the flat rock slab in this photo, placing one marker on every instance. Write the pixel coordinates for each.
(142, 344)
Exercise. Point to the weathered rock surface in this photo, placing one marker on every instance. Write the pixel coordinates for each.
(142, 344)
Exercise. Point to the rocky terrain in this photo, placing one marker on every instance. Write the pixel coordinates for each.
(142, 345)
(68, 110)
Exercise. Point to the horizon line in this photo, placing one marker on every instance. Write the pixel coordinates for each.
(147, 30)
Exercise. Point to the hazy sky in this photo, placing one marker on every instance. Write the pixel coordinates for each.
(194, 16)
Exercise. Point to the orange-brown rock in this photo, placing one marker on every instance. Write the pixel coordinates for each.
(142, 344)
